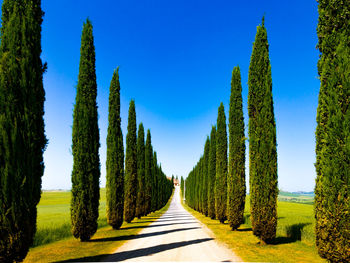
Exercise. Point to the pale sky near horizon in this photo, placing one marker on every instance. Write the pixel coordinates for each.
(176, 60)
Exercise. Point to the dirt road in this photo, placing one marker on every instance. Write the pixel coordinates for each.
(176, 236)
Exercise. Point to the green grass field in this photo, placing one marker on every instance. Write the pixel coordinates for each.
(54, 241)
(295, 240)
(53, 221)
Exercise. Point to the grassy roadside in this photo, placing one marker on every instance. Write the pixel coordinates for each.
(294, 242)
(105, 241)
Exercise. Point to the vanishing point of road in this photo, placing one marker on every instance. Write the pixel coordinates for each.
(175, 236)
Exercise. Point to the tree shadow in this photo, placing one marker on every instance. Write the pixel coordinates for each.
(174, 220)
(148, 221)
(124, 255)
(293, 234)
(154, 225)
(244, 229)
(120, 238)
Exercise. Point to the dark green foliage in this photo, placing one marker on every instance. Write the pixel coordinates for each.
(197, 187)
(115, 158)
(212, 174)
(332, 200)
(154, 183)
(205, 177)
(200, 184)
(182, 186)
(22, 138)
(141, 185)
(159, 186)
(131, 166)
(148, 172)
(236, 188)
(86, 160)
(221, 166)
(262, 141)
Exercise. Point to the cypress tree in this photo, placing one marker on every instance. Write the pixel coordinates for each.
(197, 187)
(200, 185)
(332, 199)
(131, 166)
(86, 160)
(115, 158)
(236, 176)
(148, 172)
(262, 141)
(159, 186)
(212, 173)
(140, 203)
(205, 177)
(154, 183)
(221, 166)
(22, 138)
(182, 186)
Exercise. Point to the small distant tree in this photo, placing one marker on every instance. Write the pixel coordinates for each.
(148, 172)
(221, 166)
(154, 183)
(212, 173)
(85, 147)
(262, 141)
(182, 186)
(200, 184)
(115, 158)
(140, 203)
(205, 177)
(332, 195)
(131, 166)
(236, 189)
(22, 137)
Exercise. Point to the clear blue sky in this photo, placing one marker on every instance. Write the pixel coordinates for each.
(176, 59)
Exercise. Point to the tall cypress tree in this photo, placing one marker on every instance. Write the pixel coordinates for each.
(140, 203)
(148, 172)
(154, 183)
(221, 166)
(205, 177)
(22, 138)
(182, 186)
(200, 185)
(262, 141)
(115, 158)
(212, 174)
(332, 197)
(159, 186)
(236, 176)
(86, 160)
(131, 166)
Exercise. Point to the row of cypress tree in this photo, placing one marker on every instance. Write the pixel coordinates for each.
(142, 188)
(216, 185)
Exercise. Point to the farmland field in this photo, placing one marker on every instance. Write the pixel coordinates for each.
(295, 241)
(54, 216)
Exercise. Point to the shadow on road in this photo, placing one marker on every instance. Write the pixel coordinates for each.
(180, 219)
(138, 252)
(120, 238)
(170, 224)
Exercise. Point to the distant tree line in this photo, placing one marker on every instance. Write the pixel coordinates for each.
(216, 186)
